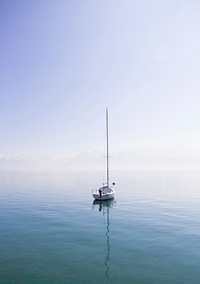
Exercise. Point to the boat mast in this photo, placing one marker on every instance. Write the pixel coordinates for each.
(107, 156)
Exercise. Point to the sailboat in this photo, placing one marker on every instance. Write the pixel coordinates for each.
(106, 191)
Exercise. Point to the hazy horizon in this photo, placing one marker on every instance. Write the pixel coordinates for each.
(63, 63)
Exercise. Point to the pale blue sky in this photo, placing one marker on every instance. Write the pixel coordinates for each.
(63, 62)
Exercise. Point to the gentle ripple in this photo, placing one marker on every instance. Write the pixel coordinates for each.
(51, 232)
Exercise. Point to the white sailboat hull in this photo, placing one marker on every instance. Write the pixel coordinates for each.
(104, 193)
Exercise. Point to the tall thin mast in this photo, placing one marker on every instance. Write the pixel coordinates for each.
(107, 155)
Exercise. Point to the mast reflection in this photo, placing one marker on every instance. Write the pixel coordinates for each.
(104, 206)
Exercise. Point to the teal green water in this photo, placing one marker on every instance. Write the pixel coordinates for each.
(52, 232)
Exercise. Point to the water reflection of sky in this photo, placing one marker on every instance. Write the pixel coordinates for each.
(150, 232)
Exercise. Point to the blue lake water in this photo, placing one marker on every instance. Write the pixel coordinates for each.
(52, 232)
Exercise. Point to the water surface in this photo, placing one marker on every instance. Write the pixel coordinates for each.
(52, 232)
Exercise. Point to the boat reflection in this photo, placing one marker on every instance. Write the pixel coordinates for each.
(104, 206)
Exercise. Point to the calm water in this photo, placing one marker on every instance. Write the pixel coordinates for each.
(52, 232)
